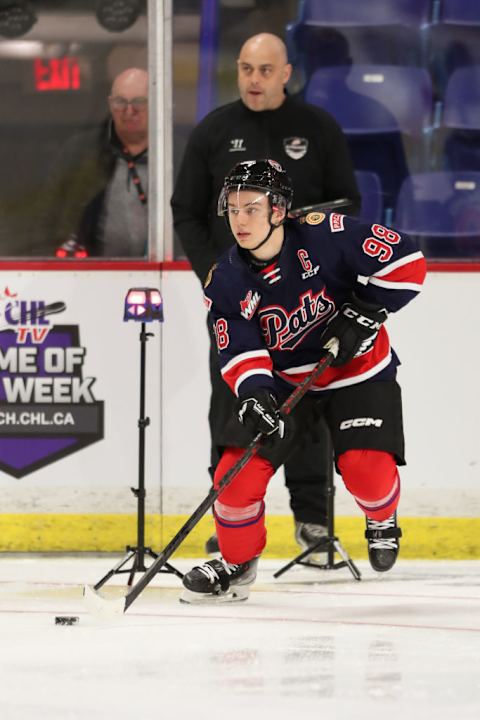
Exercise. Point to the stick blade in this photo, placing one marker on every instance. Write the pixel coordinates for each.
(100, 606)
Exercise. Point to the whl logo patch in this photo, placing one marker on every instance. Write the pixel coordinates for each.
(48, 409)
(249, 304)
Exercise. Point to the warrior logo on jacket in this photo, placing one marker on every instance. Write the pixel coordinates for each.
(284, 331)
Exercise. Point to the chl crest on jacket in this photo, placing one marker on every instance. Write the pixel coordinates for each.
(295, 147)
(249, 304)
(285, 330)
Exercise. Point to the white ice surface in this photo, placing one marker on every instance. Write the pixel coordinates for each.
(313, 643)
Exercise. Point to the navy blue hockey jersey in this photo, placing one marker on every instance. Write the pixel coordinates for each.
(269, 324)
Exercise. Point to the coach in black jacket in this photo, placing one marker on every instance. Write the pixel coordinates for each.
(309, 144)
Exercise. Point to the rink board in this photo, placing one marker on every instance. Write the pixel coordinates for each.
(81, 499)
(423, 538)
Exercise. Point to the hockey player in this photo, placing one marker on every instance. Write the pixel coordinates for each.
(276, 298)
(310, 145)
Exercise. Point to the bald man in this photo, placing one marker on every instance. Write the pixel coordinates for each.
(128, 102)
(99, 182)
(263, 72)
(309, 144)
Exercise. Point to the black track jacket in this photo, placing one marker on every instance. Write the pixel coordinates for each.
(304, 139)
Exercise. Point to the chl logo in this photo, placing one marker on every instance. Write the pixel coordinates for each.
(361, 422)
(295, 147)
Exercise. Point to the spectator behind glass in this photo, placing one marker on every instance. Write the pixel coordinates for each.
(98, 186)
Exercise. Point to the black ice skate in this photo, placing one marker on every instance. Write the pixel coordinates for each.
(383, 542)
(219, 581)
(308, 535)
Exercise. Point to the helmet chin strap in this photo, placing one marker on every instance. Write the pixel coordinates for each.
(272, 228)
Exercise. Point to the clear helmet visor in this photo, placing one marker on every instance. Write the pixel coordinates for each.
(275, 200)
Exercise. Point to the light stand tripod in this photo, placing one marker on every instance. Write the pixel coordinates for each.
(330, 542)
(136, 554)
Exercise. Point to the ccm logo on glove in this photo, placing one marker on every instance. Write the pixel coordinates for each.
(368, 322)
(355, 326)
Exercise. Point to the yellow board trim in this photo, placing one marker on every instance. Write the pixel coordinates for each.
(455, 538)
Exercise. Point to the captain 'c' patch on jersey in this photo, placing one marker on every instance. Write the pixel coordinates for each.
(336, 222)
(308, 269)
(315, 218)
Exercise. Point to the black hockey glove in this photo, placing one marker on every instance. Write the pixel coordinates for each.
(356, 326)
(259, 413)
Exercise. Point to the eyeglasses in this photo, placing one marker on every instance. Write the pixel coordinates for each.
(121, 103)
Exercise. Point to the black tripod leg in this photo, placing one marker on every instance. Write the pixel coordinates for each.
(331, 542)
(137, 553)
(298, 559)
(347, 560)
(114, 570)
(286, 567)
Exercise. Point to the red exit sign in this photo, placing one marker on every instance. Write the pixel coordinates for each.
(56, 74)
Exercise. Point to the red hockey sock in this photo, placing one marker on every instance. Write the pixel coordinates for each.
(372, 478)
(239, 509)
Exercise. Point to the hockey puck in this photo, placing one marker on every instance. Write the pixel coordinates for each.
(67, 620)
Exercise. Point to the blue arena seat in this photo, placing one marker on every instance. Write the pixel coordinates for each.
(374, 98)
(457, 141)
(453, 41)
(461, 108)
(383, 110)
(370, 189)
(373, 12)
(378, 31)
(443, 210)
(460, 12)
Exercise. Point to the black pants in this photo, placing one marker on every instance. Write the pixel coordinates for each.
(307, 468)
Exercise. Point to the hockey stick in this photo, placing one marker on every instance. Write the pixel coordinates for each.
(51, 309)
(328, 206)
(102, 606)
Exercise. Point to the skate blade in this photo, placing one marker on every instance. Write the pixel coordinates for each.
(235, 594)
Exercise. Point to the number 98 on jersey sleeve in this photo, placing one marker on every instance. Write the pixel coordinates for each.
(379, 244)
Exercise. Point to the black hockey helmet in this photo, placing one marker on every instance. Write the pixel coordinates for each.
(266, 175)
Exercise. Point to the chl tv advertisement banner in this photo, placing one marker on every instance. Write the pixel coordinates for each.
(69, 375)
(48, 408)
